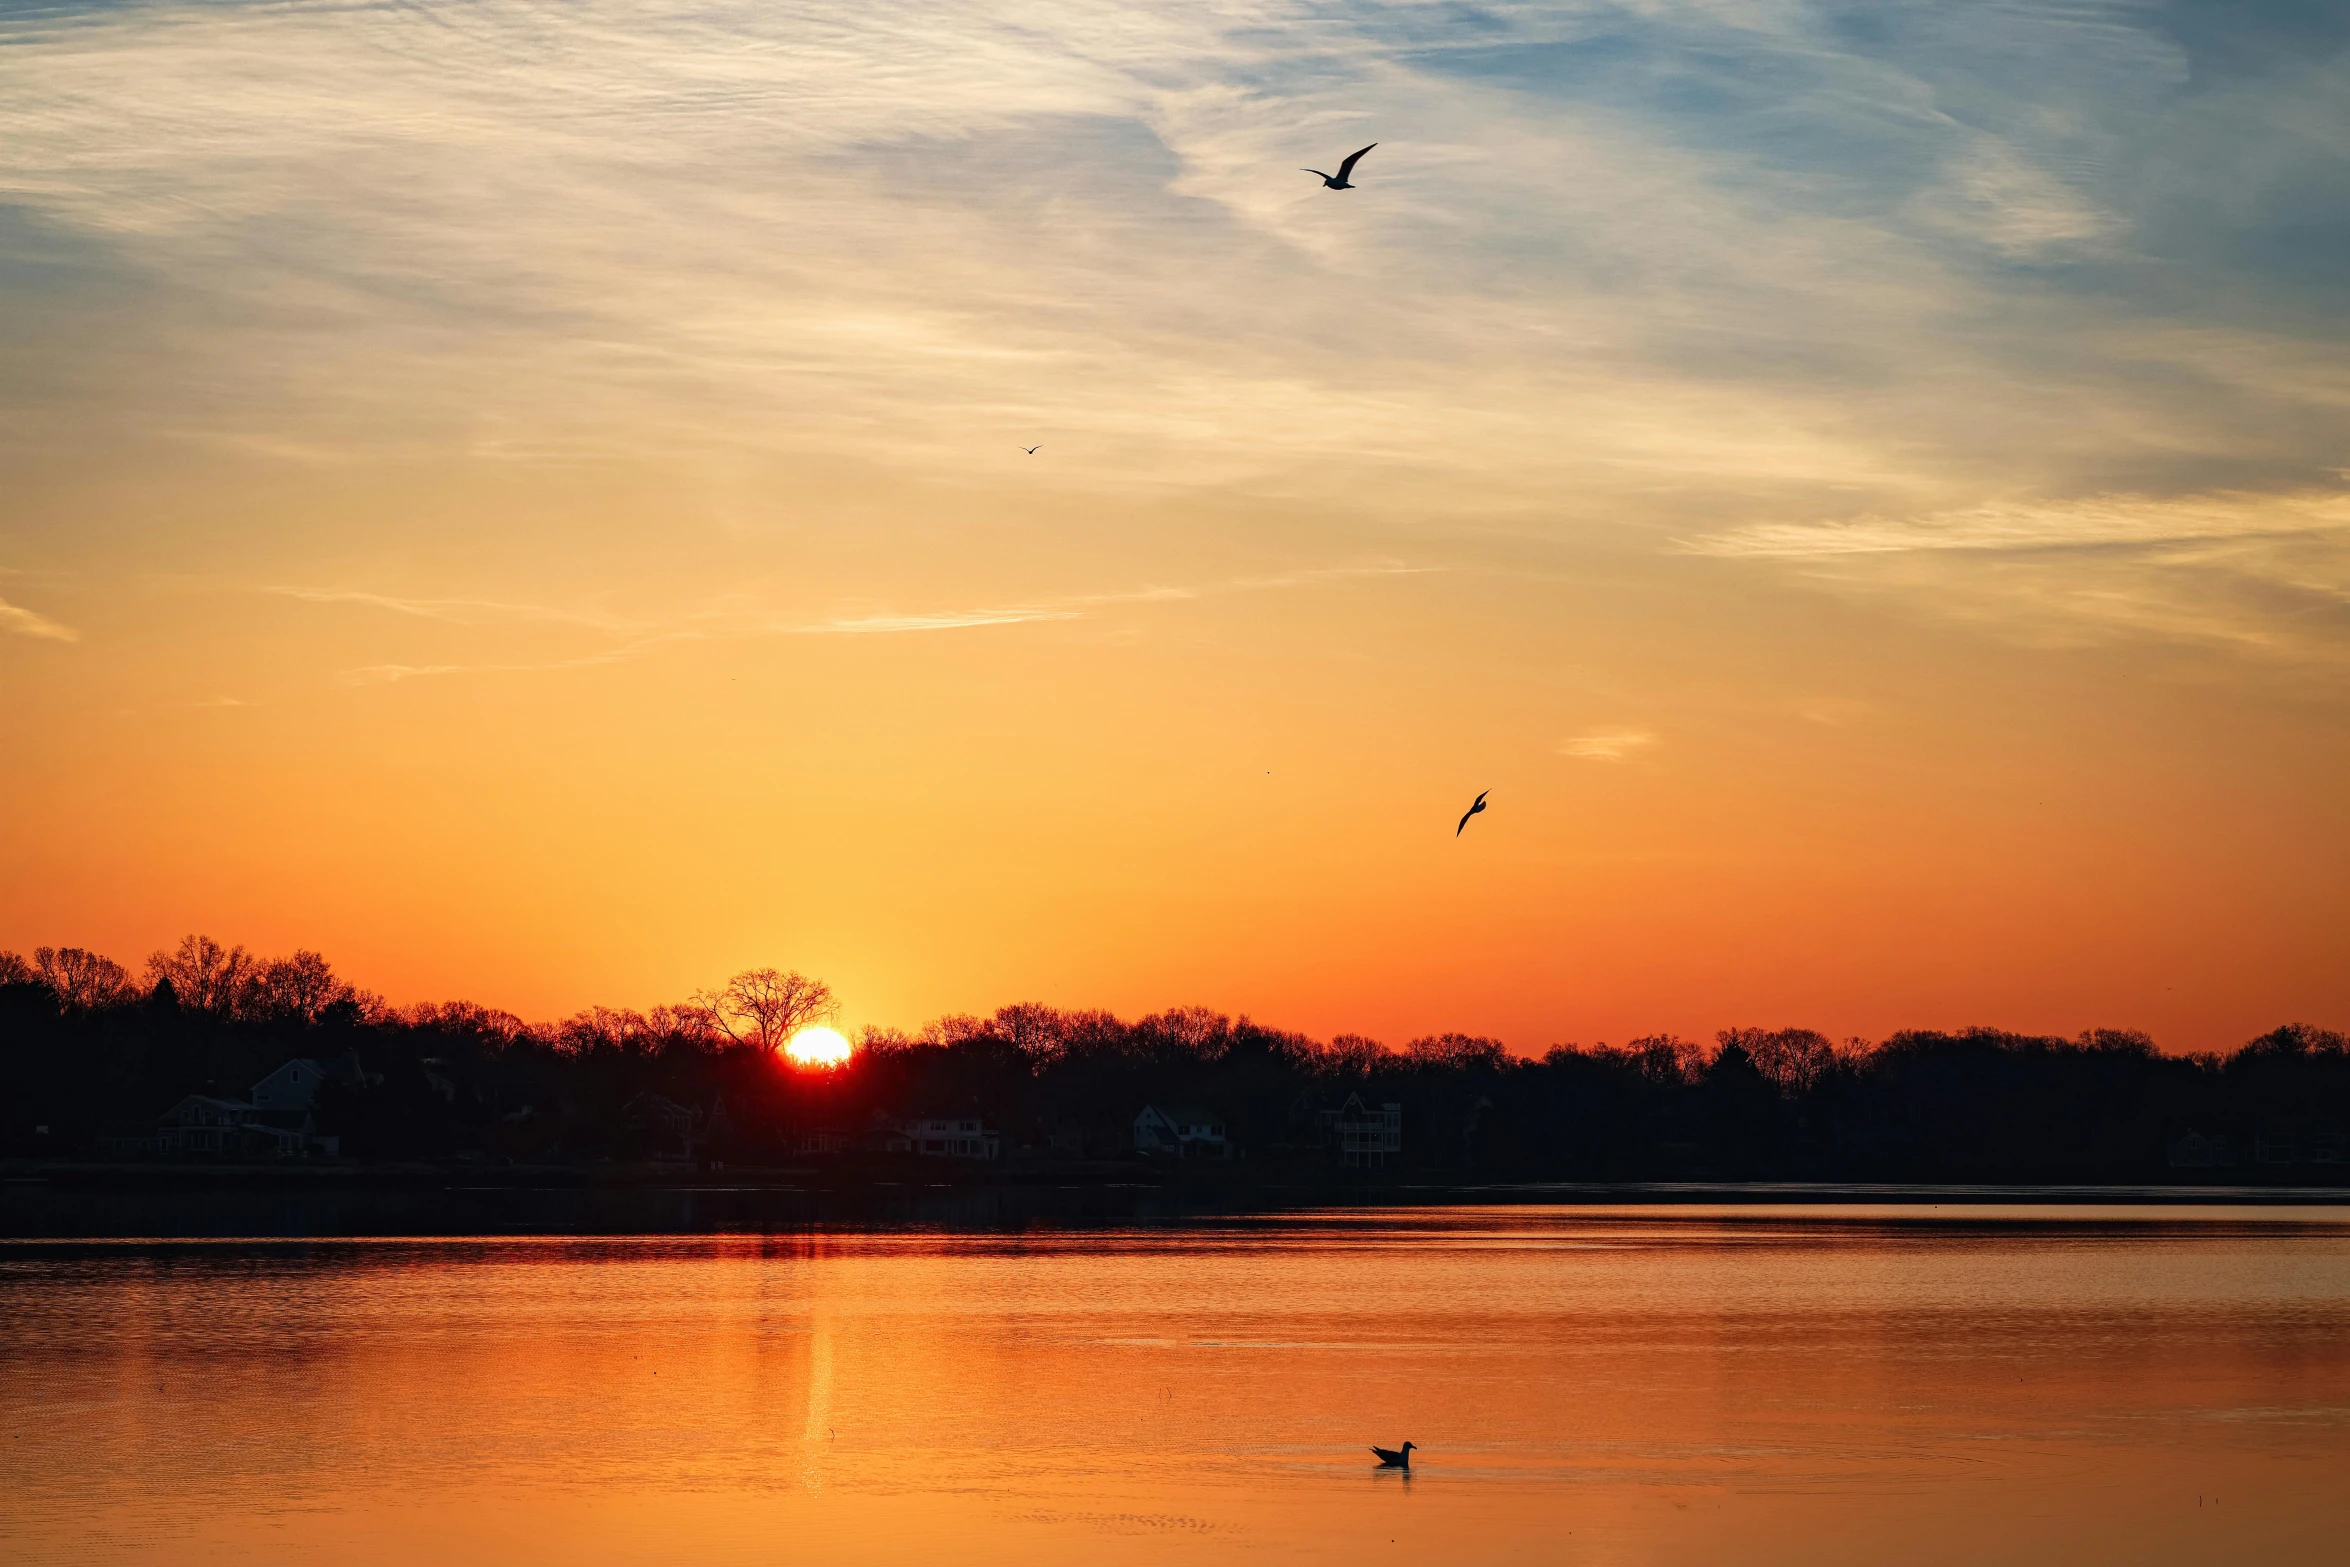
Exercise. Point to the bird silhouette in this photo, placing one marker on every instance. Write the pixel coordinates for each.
(1338, 181)
(1395, 1457)
(1032, 450)
(1471, 811)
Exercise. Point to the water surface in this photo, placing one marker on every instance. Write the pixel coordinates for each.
(1601, 1385)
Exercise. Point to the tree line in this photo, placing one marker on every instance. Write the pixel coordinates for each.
(87, 1048)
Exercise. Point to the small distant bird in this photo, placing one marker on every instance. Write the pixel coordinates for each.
(1471, 811)
(1395, 1458)
(1338, 181)
(1032, 450)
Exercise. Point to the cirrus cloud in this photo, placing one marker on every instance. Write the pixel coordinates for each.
(1608, 745)
(28, 623)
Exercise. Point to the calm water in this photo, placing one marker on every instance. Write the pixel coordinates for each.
(1813, 1385)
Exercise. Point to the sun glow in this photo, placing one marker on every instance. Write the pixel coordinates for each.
(818, 1046)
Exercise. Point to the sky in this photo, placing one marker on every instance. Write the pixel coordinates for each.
(529, 501)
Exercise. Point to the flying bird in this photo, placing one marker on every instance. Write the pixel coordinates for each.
(1338, 181)
(1471, 811)
(1032, 450)
(1395, 1458)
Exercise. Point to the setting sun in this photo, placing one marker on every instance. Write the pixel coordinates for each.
(818, 1046)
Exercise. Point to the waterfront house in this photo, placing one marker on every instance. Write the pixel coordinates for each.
(275, 1123)
(1180, 1132)
(945, 1137)
(1363, 1136)
(664, 1128)
(295, 1086)
(2300, 1140)
(2202, 1151)
(821, 1140)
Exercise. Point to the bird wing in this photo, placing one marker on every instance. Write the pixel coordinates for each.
(1313, 171)
(1348, 167)
(1475, 806)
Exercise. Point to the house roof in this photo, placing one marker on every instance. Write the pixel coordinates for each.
(174, 1115)
(1185, 1114)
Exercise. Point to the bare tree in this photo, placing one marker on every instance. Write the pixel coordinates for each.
(764, 1007)
(1033, 1029)
(1186, 1034)
(875, 1042)
(81, 980)
(1792, 1058)
(206, 976)
(14, 970)
(492, 1028)
(687, 1027)
(1664, 1058)
(601, 1030)
(1352, 1056)
(957, 1028)
(302, 986)
(1457, 1051)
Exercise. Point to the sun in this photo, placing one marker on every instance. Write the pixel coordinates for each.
(818, 1046)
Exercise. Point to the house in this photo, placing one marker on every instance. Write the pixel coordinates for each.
(2202, 1151)
(945, 1138)
(2302, 1141)
(201, 1124)
(668, 1129)
(274, 1122)
(295, 1086)
(204, 1125)
(821, 1140)
(1362, 1135)
(1180, 1132)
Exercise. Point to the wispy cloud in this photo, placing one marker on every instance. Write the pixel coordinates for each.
(457, 611)
(2257, 573)
(1077, 606)
(878, 624)
(1611, 264)
(1312, 575)
(948, 620)
(2092, 522)
(393, 673)
(1608, 745)
(26, 623)
(820, 225)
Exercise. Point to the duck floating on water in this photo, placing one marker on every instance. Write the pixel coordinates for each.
(1396, 1457)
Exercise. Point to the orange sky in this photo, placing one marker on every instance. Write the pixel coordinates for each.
(546, 524)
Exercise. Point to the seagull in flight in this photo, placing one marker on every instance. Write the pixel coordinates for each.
(1472, 810)
(1338, 181)
(1031, 450)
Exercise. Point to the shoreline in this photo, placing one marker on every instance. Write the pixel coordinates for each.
(98, 1203)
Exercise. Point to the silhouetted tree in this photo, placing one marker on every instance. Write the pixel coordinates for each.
(299, 989)
(204, 975)
(82, 981)
(81, 1047)
(764, 1007)
(1790, 1059)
